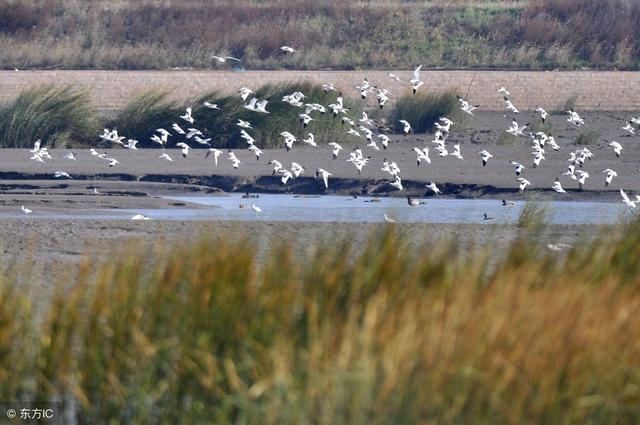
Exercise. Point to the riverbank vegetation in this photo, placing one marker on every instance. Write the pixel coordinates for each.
(384, 335)
(328, 34)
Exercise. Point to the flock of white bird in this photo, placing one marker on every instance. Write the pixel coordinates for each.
(364, 128)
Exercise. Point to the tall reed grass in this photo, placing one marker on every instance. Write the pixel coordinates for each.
(423, 110)
(58, 115)
(391, 336)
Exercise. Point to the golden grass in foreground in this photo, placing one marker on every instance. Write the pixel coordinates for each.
(199, 334)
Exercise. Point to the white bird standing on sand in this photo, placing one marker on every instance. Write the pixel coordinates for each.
(406, 129)
(187, 116)
(434, 188)
(336, 149)
(325, 176)
(185, 148)
(389, 219)
(26, 210)
(523, 183)
(485, 155)
(610, 174)
(617, 148)
(558, 187)
(60, 174)
(216, 154)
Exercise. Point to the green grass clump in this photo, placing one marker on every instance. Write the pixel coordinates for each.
(422, 110)
(59, 116)
(144, 113)
(534, 214)
(589, 136)
(388, 336)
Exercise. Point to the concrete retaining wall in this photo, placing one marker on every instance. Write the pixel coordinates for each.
(592, 90)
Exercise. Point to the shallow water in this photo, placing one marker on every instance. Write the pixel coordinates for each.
(345, 209)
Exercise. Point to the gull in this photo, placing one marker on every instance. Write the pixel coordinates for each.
(517, 167)
(384, 139)
(289, 139)
(177, 128)
(504, 91)
(256, 208)
(296, 169)
(287, 50)
(617, 148)
(422, 155)
(416, 83)
(216, 154)
(310, 140)
(325, 176)
(485, 155)
(36, 145)
(393, 77)
(629, 128)
(336, 149)
(223, 59)
(397, 183)
(59, 174)
(131, 144)
(244, 93)
(243, 124)
(558, 187)
(246, 136)
(389, 219)
(456, 152)
(305, 120)
(286, 175)
(414, 202)
(193, 132)
(523, 183)
(406, 129)
(187, 116)
(157, 140)
(26, 210)
(575, 118)
(185, 148)
(257, 152)
(328, 87)
(212, 105)
(610, 174)
(202, 141)
(366, 120)
(235, 162)
(165, 156)
(112, 162)
(543, 113)
(277, 166)
(70, 155)
(510, 106)
(140, 217)
(466, 107)
(433, 187)
(627, 201)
